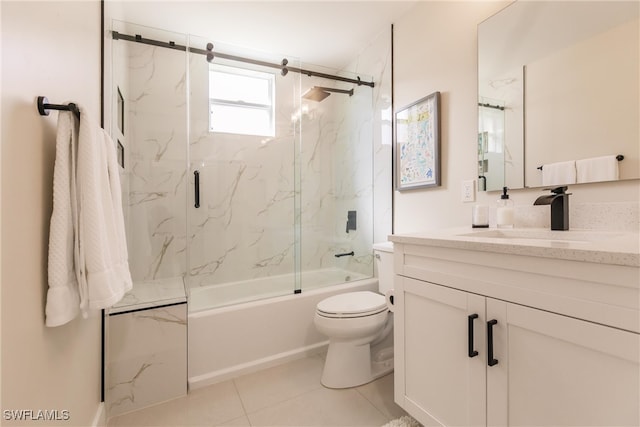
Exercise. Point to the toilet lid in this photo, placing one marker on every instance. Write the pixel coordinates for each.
(352, 304)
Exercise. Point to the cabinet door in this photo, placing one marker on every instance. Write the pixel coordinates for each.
(437, 381)
(555, 370)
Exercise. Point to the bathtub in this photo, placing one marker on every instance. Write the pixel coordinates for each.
(233, 293)
(232, 340)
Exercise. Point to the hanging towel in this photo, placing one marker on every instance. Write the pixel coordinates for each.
(597, 169)
(560, 173)
(104, 270)
(62, 297)
(88, 267)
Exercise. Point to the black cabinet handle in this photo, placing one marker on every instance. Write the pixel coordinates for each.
(472, 352)
(196, 176)
(491, 361)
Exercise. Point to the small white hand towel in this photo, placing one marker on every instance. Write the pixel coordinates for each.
(105, 276)
(597, 169)
(560, 173)
(62, 297)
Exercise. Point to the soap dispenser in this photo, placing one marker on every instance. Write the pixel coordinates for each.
(504, 213)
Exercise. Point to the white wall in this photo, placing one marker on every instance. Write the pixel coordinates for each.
(51, 49)
(435, 49)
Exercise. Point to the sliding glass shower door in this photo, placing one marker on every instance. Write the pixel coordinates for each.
(236, 178)
(242, 156)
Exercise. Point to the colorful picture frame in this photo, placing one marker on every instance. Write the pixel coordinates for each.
(417, 144)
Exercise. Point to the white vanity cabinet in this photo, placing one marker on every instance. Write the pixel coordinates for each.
(555, 370)
(566, 341)
(435, 380)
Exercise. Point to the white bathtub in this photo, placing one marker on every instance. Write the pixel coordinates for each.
(233, 293)
(226, 342)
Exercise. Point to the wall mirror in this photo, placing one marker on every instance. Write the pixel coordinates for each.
(557, 81)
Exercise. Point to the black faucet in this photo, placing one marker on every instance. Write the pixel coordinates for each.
(559, 202)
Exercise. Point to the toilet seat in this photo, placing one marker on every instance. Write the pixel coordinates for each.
(352, 304)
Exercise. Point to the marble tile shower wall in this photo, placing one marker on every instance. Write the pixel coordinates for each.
(353, 169)
(245, 226)
(157, 156)
(336, 171)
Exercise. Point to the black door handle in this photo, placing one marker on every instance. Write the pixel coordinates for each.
(472, 352)
(345, 254)
(196, 176)
(491, 361)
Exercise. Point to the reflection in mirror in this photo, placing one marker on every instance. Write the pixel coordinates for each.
(566, 73)
(490, 143)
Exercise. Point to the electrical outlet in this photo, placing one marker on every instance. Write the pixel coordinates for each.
(469, 190)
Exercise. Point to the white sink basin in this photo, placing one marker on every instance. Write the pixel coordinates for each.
(545, 235)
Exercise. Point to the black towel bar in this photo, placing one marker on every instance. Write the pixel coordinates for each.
(44, 107)
(619, 158)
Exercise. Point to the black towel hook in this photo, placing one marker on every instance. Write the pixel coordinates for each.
(44, 107)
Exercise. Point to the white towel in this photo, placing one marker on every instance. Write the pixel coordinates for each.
(104, 274)
(62, 297)
(88, 267)
(597, 169)
(560, 173)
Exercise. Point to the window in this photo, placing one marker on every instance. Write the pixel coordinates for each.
(241, 101)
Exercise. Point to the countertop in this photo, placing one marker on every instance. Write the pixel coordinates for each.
(602, 247)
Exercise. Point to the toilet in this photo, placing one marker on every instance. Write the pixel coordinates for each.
(360, 329)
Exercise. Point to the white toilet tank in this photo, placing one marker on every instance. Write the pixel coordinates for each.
(383, 253)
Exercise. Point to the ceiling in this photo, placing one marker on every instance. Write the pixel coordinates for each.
(326, 33)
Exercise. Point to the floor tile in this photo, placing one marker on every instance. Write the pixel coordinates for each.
(243, 421)
(285, 395)
(208, 406)
(321, 407)
(380, 394)
(170, 413)
(277, 384)
(215, 404)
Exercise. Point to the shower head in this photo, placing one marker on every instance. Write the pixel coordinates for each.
(315, 94)
(319, 93)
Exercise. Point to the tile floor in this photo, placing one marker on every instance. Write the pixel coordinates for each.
(285, 395)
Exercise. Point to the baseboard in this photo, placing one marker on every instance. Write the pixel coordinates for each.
(214, 377)
(100, 419)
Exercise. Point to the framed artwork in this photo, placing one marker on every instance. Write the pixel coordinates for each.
(417, 144)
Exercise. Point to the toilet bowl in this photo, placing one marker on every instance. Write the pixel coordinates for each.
(359, 326)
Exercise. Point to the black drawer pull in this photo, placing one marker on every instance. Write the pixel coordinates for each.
(196, 176)
(472, 352)
(491, 361)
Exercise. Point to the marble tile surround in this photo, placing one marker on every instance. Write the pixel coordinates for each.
(249, 196)
(155, 157)
(147, 358)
